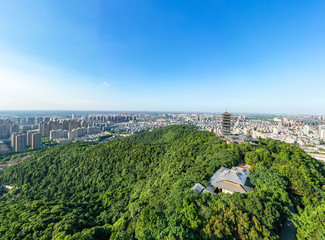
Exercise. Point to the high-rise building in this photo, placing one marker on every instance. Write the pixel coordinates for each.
(93, 130)
(55, 125)
(44, 129)
(13, 140)
(21, 121)
(306, 130)
(30, 121)
(78, 132)
(72, 134)
(83, 123)
(46, 119)
(65, 124)
(55, 134)
(20, 142)
(39, 119)
(41, 128)
(14, 128)
(226, 123)
(73, 125)
(29, 138)
(36, 141)
(81, 132)
(7, 127)
(322, 132)
(4, 131)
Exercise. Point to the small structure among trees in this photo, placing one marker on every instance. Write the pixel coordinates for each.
(227, 181)
(231, 180)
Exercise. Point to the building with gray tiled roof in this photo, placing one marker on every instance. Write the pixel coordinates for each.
(231, 180)
(198, 187)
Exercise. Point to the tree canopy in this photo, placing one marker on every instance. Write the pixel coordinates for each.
(139, 188)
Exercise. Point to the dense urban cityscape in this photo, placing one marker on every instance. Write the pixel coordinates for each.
(25, 132)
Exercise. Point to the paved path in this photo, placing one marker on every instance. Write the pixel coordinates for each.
(289, 230)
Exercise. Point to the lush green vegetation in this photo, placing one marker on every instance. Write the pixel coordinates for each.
(12, 155)
(139, 188)
(48, 143)
(103, 138)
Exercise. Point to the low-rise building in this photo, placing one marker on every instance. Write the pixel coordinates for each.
(198, 187)
(227, 180)
(231, 180)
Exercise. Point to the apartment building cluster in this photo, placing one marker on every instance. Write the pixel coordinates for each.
(29, 120)
(62, 136)
(295, 131)
(7, 127)
(21, 141)
(31, 123)
(62, 124)
(111, 118)
(301, 130)
(62, 130)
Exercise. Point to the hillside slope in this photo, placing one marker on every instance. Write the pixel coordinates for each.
(139, 188)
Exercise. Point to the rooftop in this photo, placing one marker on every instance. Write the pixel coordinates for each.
(227, 113)
(198, 187)
(236, 174)
(233, 187)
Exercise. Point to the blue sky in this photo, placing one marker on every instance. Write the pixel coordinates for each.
(248, 56)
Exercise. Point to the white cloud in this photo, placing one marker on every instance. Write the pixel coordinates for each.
(106, 84)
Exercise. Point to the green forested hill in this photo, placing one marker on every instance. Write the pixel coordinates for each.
(139, 188)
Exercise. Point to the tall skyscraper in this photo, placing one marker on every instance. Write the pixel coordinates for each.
(226, 123)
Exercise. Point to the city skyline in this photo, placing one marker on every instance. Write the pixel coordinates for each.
(254, 57)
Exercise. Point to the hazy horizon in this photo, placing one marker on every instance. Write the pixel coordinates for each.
(69, 111)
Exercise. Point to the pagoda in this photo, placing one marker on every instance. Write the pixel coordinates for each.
(226, 123)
